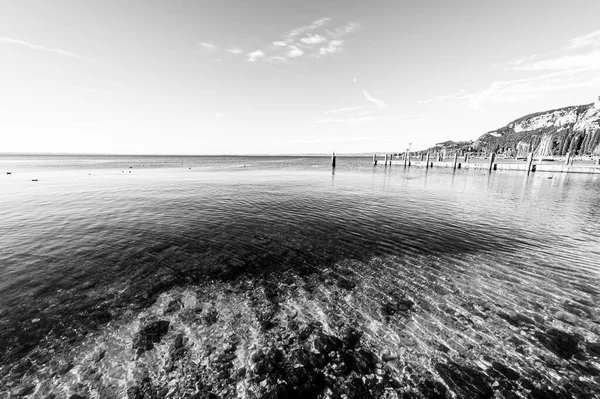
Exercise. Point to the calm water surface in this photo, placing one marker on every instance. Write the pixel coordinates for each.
(97, 235)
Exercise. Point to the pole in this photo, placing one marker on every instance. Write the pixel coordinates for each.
(374, 159)
(568, 158)
(427, 162)
(529, 161)
(333, 160)
(492, 158)
(455, 159)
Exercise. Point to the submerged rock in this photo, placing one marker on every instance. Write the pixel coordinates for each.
(346, 284)
(173, 306)
(465, 381)
(561, 343)
(149, 335)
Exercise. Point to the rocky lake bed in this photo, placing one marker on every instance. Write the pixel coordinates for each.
(376, 329)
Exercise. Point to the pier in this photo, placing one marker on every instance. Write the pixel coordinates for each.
(491, 163)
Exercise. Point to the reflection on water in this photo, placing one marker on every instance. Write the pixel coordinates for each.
(492, 262)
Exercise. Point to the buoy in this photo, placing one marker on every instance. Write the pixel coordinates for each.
(34, 179)
(9, 173)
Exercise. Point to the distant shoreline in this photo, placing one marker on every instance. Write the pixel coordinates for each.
(183, 155)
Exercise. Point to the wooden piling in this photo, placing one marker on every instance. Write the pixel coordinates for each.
(492, 159)
(374, 159)
(529, 161)
(333, 160)
(455, 159)
(427, 162)
(466, 157)
(568, 158)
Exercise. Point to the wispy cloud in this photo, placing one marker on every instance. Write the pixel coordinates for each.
(209, 46)
(340, 110)
(307, 28)
(378, 103)
(294, 52)
(591, 39)
(574, 66)
(344, 30)
(255, 55)
(334, 46)
(39, 47)
(235, 50)
(311, 40)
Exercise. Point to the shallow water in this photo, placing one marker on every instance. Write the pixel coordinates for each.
(100, 238)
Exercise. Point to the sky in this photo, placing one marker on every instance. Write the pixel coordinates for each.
(285, 77)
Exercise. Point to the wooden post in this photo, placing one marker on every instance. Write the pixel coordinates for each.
(568, 158)
(374, 159)
(455, 159)
(427, 162)
(492, 158)
(385, 161)
(333, 160)
(529, 161)
(466, 157)
(422, 157)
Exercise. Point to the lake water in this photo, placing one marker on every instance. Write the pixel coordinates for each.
(491, 268)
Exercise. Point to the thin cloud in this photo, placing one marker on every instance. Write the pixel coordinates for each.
(39, 47)
(313, 39)
(334, 46)
(344, 30)
(235, 50)
(589, 61)
(519, 90)
(276, 59)
(591, 39)
(255, 55)
(378, 103)
(209, 46)
(574, 66)
(340, 110)
(307, 28)
(294, 52)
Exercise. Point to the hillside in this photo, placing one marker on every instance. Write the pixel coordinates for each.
(574, 129)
